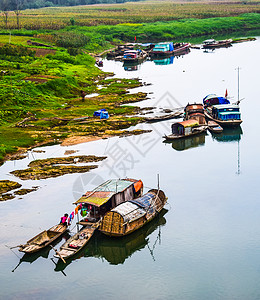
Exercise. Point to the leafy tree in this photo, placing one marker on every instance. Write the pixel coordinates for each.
(4, 7)
(17, 7)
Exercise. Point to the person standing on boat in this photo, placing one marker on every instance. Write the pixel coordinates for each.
(63, 220)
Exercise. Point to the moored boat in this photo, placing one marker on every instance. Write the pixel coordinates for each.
(43, 239)
(220, 110)
(134, 56)
(162, 49)
(185, 129)
(214, 127)
(196, 112)
(212, 44)
(132, 215)
(154, 119)
(181, 48)
(75, 243)
(167, 49)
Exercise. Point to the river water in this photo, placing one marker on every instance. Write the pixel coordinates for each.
(204, 245)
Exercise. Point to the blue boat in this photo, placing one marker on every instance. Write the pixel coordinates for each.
(220, 110)
(168, 49)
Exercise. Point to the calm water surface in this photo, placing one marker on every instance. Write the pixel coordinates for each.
(205, 245)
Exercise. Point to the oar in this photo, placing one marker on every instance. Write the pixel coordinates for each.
(58, 254)
(15, 246)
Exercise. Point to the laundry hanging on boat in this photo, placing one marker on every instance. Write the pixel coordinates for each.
(71, 217)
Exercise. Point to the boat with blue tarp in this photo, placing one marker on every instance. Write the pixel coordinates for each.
(220, 110)
(132, 215)
(167, 49)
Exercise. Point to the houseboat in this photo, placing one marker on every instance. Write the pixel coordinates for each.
(220, 110)
(168, 49)
(132, 215)
(195, 112)
(185, 129)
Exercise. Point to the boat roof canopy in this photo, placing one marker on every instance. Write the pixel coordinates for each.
(95, 198)
(228, 106)
(213, 99)
(229, 112)
(129, 211)
(194, 106)
(187, 123)
(105, 191)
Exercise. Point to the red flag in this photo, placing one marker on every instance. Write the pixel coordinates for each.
(226, 94)
(135, 38)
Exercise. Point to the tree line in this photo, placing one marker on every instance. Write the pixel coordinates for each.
(11, 5)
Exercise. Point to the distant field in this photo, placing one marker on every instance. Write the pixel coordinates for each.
(131, 12)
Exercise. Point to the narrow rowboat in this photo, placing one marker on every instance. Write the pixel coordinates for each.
(43, 239)
(164, 117)
(77, 242)
(214, 127)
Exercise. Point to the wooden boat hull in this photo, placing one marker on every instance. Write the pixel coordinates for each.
(77, 242)
(173, 137)
(181, 50)
(43, 239)
(228, 123)
(137, 224)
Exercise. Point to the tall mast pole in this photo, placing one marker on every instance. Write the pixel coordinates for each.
(238, 84)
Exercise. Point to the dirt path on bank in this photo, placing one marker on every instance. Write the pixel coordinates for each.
(74, 140)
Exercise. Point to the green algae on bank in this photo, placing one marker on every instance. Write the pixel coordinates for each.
(8, 185)
(25, 191)
(65, 160)
(50, 171)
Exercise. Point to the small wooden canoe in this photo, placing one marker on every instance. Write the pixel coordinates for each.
(214, 127)
(43, 239)
(74, 244)
(164, 117)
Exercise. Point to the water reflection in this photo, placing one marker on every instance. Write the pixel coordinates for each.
(228, 135)
(187, 143)
(117, 250)
(44, 253)
(30, 258)
(164, 61)
(130, 67)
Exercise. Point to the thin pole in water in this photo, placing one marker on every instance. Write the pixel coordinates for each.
(238, 85)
